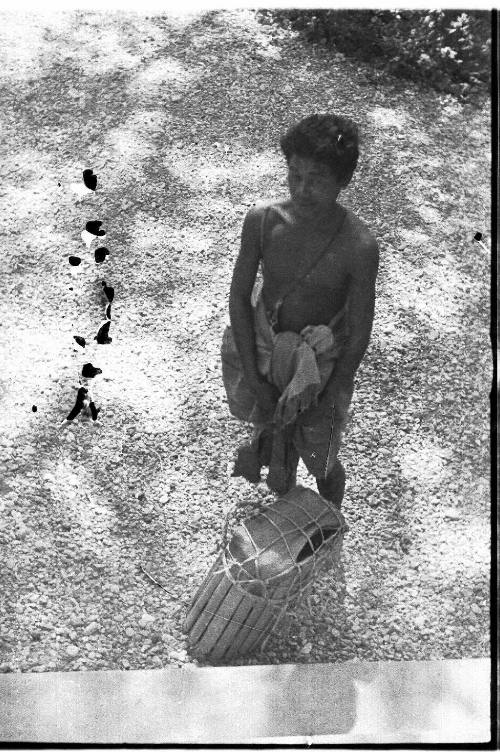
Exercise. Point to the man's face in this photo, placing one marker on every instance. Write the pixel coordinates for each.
(313, 186)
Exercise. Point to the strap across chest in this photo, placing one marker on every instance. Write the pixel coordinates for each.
(294, 283)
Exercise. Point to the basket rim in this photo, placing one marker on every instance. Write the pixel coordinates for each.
(320, 557)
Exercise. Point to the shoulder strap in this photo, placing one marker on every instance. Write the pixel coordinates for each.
(296, 282)
(262, 229)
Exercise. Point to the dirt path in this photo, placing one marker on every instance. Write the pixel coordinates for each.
(180, 120)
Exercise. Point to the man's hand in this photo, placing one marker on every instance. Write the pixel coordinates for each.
(338, 393)
(266, 395)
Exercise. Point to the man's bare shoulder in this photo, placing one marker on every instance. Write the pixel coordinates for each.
(256, 217)
(257, 210)
(363, 244)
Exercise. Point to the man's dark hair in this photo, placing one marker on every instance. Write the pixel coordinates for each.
(330, 139)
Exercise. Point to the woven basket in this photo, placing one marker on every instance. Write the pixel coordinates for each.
(270, 560)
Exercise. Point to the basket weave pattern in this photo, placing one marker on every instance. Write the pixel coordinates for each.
(270, 560)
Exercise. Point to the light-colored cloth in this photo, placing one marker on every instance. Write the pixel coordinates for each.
(299, 365)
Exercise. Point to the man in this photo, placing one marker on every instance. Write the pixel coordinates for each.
(290, 355)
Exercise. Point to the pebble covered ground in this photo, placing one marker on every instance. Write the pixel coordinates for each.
(180, 118)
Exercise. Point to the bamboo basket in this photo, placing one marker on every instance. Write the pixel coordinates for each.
(270, 560)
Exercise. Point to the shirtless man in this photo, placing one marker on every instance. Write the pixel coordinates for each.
(287, 237)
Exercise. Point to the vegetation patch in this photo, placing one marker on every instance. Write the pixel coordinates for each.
(448, 49)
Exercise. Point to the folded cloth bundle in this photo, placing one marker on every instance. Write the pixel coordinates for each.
(299, 365)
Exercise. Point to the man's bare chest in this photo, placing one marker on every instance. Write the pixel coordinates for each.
(318, 260)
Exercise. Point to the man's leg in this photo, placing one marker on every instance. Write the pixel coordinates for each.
(268, 449)
(331, 482)
(254, 454)
(282, 476)
(318, 440)
(333, 486)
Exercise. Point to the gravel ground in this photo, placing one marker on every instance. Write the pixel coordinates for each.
(180, 117)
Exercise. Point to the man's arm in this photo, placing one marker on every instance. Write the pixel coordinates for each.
(240, 311)
(360, 315)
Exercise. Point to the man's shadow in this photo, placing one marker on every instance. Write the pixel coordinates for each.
(313, 611)
(288, 705)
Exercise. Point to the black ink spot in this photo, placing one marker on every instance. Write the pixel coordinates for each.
(100, 254)
(108, 291)
(94, 411)
(74, 260)
(34, 408)
(89, 371)
(79, 340)
(478, 236)
(59, 185)
(71, 288)
(80, 399)
(90, 179)
(103, 337)
(93, 227)
(108, 312)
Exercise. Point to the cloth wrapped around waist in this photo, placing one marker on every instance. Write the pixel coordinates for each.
(299, 365)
